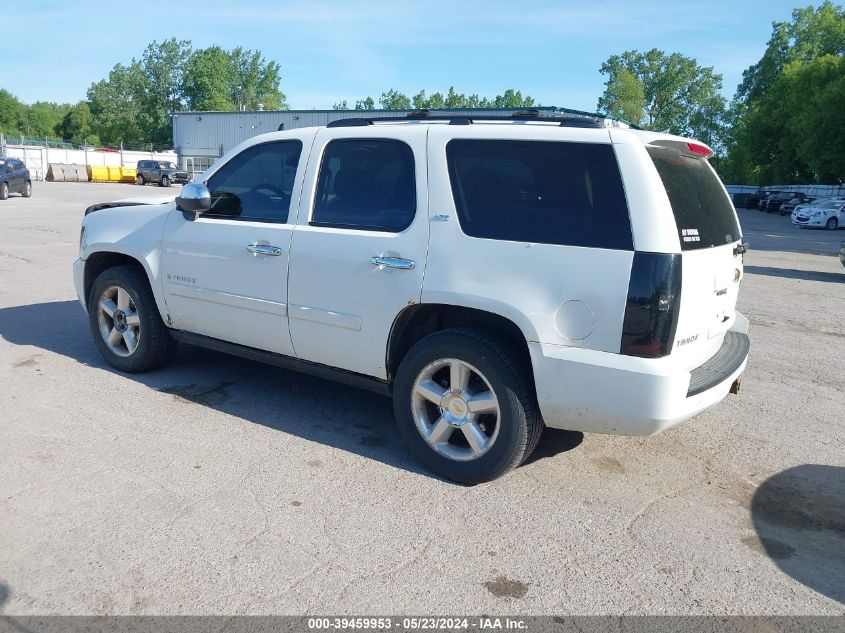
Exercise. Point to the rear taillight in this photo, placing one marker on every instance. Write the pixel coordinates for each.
(654, 298)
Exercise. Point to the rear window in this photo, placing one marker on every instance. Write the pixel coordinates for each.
(539, 191)
(703, 213)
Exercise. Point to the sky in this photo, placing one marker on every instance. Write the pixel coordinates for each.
(331, 51)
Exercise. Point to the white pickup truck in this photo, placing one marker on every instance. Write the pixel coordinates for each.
(492, 275)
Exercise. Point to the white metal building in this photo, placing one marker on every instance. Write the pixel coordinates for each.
(201, 137)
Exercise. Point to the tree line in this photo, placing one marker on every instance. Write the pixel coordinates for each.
(785, 124)
(395, 100)
(133, 104)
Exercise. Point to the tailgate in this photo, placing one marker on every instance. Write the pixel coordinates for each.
(710, 238)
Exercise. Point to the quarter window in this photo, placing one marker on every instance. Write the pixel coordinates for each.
(257, 184)
(539, 191)
(366, 184)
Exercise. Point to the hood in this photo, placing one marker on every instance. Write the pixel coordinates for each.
(130, 202)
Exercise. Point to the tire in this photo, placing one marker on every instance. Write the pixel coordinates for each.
(831, 224)
(152, 342)
(508, 435)
(139, 180)
(4, 191)
(164, 182)
(27, 190)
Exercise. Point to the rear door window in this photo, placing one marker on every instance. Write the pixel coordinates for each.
(703, 212)
(539, 191)
(366, 184)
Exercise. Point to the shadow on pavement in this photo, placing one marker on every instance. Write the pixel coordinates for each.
(305, 406)
(799, 515)
(791, 273)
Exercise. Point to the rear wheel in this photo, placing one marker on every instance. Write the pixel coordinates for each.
(465, 407)
(125, 322)
(831, 224)
(139, 179)
(165, 181)
(4, 190)
(27, 190)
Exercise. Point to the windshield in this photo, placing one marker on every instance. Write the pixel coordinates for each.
(831, 204)
(703, 211)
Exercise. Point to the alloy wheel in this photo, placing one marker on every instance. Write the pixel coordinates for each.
(455, 409)
(119, 321)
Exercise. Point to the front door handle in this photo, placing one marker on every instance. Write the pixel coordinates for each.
(393, 262)
(264, 249)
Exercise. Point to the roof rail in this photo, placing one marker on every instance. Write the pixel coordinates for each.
(573, 119)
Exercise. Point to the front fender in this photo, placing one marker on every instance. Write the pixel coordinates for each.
(134, 231)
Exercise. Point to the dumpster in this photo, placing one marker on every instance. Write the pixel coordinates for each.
(98, 173)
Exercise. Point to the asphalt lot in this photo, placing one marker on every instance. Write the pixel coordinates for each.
(218, 486)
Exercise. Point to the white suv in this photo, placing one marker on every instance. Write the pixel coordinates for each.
(492, 276)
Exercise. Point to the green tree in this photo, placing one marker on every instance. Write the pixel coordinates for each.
(795, 134)
(812, 33)
(624, 97)
(208, 80)
(785, 115)
(394, 100)
(163, 67)
(216, 79)
(678, 95)
(77, 124)
(512, 99)
(255, 81)
(42, 118)
(818, 117)
(341, 105)
(117, 105)
(11, 113)
(365, 104)
(133, 105)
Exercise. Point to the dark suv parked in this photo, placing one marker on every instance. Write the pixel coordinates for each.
(161, 171)
(14, 178)
(776, 202)
(754, 199)
(773, 195)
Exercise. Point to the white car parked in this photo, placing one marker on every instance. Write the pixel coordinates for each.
(492, 276)
(828, 214)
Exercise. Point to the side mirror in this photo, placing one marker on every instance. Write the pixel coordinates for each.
(194, 198)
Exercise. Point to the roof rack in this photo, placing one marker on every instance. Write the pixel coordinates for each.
(568, 119)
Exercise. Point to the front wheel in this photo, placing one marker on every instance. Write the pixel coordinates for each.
(27, 190)
(4, 190)
(125, 321)
(165, 181)
(465, 406)
(831, 224)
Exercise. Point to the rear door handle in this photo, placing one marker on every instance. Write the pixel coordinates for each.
(393, 262)
(264, 249)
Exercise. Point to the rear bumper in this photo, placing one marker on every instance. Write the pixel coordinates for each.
(599, 392)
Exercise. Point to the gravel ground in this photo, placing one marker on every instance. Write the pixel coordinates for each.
(219, 486)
